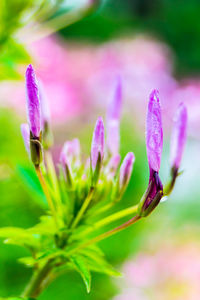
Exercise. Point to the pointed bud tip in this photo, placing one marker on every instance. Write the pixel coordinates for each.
(97, 142)
(154, 95)
(126, 169)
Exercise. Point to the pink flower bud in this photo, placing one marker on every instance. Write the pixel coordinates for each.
(154, 132)
(33, 102)
(113, 165)
(179, 136)
(126, 170)
(97, 147)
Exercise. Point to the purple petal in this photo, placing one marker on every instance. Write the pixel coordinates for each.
(154, 132)
(26, 136)
(179, 135)
(45, 111)
(126, 169)
(113, 119)
(97, 142)
(33, 102)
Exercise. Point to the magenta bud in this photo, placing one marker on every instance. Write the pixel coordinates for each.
(33, 102)
(66, 166)
(71, 150)
(113, 119)
(178, 138)
(154, 132)
(26, 136)
(97, 148)
(113, 165)
(126, 170)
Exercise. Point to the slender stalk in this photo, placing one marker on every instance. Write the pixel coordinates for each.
(105, 234)
(114, 217)
(33, 289)
(46, 192)
(83, 208)
(52, 173)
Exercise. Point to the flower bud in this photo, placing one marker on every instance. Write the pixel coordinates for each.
(97, 148)
(179, 136)
(71, 150)
(125, 171)
(113, 119)
(154, 143)
(26, 136)
(113, 165)
(34, 116)
(154, 132)
(33, 102)
(66, 168)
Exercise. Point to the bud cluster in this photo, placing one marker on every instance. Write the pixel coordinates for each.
(81, 189)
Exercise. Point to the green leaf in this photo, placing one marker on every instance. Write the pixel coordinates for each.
(19, 236)
(45, 227)
(28, 261)
(97, 262)
(81, 266)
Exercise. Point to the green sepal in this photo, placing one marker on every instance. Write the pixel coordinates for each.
(95, 174)
(82, 267)
(36, 149)
(145, 212)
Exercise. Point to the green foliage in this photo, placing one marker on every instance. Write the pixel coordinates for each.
(81, 266)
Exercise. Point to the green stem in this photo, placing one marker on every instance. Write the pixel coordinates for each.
(114, 217)
(52, 172)
(47, 194)
(33, 289)
(83, 208)
(105, 235)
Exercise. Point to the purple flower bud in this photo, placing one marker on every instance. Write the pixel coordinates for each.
(45, 111)
(71, 150)
(179, 136)
(97, 147)
(113, 119)
(126, 170)
(26, 136)
(154, 132)
(33, 102)
(113, 165)
(66, 168)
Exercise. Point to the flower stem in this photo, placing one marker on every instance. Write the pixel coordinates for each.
(83, 208)
(52, 173)
(33, 289)
(46, 192)
(114, 217)
(105, 234)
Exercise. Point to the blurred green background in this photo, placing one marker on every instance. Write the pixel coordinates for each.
(173, 22)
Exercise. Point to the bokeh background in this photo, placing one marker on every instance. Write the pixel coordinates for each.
(150, 44)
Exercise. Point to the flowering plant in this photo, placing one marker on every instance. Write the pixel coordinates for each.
(80, 191)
